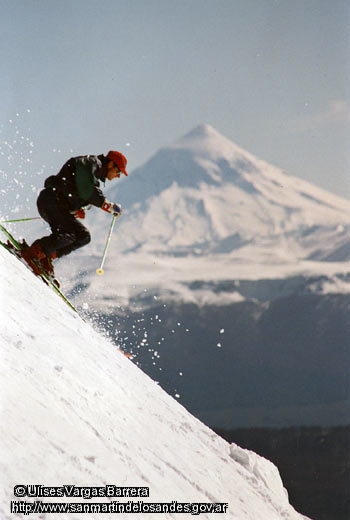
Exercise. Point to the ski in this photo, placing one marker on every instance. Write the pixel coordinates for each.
(14, 247)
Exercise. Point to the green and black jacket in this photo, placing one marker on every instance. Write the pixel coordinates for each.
(78, 182)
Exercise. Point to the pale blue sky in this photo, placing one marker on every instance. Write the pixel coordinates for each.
(84, 76)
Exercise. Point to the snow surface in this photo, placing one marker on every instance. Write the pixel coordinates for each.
(74, 410)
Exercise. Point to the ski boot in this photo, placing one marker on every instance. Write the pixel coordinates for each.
(39, 262)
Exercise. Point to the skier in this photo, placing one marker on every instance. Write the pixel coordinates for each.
(62, 201)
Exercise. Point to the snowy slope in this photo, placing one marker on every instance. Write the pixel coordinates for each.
(74, 410)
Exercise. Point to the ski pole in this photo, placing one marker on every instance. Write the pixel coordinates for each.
(20, 220)
(100, 269)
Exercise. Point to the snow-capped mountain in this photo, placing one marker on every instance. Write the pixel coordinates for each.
(204, 194)
(205, 209)
(75, 412)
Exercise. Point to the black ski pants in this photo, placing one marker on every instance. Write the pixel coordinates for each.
(68, 233)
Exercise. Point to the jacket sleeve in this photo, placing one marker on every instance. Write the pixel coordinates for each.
(97, 198)
(86, 182)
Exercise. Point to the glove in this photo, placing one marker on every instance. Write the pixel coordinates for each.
(80, 213)
(110, 207)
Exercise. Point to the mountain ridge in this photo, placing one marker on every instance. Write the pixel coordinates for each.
(204, 141)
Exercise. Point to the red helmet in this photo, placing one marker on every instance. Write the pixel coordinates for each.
(119, 159)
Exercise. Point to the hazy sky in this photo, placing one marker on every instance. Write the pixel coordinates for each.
(84, 76)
